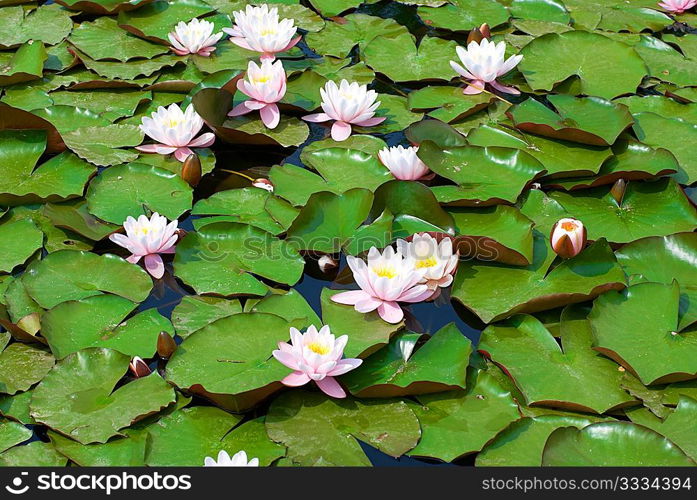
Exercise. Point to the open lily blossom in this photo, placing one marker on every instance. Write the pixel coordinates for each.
(568, 237)
(175, 132)
(677, 6)
(265, 85)
(403, 163)
(348, 104)
(387, 279)
(483, 63)
(437, 259)
(147, 239)
(194, 37)
(316, 355)
(260, 29)
(239, 459)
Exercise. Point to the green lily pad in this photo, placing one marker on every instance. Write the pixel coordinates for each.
(661, 105)
(16, 407)
(72, 275)
(612, 444)
(366, 332)
(464, 15)
(186, 437)
(34, 454)
(23, 366)
(666, 63)
(588, 120)
(99, 321)
(194, 312)
(130, 70)
(552, 58)
(428, 61)
(229, 361)
(396, 370)
(572, 377)
(22, 239)
(104, 39)
(449, 102)
(522, 443)
(663, 260)
(396, 110)
(648, 209)
(49, 24)
(96, 411)
(117, 452)
(540, 10)
(457, 423)
(12, 433)
(535, 287)
(135, 189)
(219, 258)
(155, 20)
(290, 305)
(489, 175)
(103, 6)
(330, 8)
(644, 319)
(112, 103)
(251, 437)
(26, 64)
(104, 152)
(73, 216)
(386, 424)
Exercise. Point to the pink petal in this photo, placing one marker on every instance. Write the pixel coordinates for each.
(371, 122)
(286, 358)
(331, 387)
(179, 52)
(504, 88)
(203, 141)
(182, 154)
(267, 56)
(133, 259)
(239, 110)
(317, 117)
(241, 42)
(148, 148)
(344, 366)
(154, 265)
(368, 304)
(391, 312)
(341, 131)
(350, 298)
(254, 105)
(292, 43)
(478, 89)
(295, 379)
(270, 115)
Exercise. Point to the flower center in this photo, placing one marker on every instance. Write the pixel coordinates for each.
(318, 348)
(144, 230)
(568, 226)
(262, 79)
(171, 123)
(430, 262)
(386, 272)
(267, 32)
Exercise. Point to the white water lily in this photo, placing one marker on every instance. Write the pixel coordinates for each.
(260, 29)
(437, 259)
(348, 104)
(403, 162)
(239, 459)
(194, 37)
(265, 85)
(483, 63)
(175, 132)
(568, 237)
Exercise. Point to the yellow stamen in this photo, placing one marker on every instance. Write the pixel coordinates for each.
(568, 226)
(268, 32)
(385, 272)
(318, 348)
(430, 262)
(173, 123)
(262, 79)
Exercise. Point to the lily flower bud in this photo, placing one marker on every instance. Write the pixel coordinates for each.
(139, 368)
(568, 237)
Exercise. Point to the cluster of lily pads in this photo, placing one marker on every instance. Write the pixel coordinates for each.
(168, 189)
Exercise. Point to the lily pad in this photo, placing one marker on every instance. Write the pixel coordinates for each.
(73, 216)
(612, 444)
(22, 239)
(229, 361)
(251, 437)
(34, 454)
(25, 65)
(134, 189)
(12, 433)
(103, 6)
(644, 319)
(219, 259)
(396, 370)
(386, 424)
(571, 377)
(48, 23)
(117, 452)
(449, 102)
(96, 411)
(105, 151)
(464, 15)
(666, 63)
(23, 366)
(194, 312)
(155, 20)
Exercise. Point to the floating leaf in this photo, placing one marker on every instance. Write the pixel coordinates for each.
(155, 20)
(23, 366)
(104, 152)
(103, 6)
(21, 240)
(117, 452)
(450, 102)
(34, 454)
(12, 433)
(251, 437)
(194, 312)
(24, 65)
(49, 24)
(464, 15)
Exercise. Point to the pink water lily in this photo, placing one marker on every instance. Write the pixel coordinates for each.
(239, 459)
(403, 163)
(148, 238)
(266, 85)
(316, 355)
(568, 237)
(175, 132)
(348, 104)
(677, 6)
(483, 63)
(194, 37)
(437, 259)
(260, 29)
(386, 280)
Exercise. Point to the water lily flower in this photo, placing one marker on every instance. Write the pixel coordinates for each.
(386, 279)
(266, 85)
(677, 6)
(262, 183)
(348, 104)
(139, 368)
(194, 37)
(316, 355)
(483, 63)
(326, 263)
(437, 259)
(175, 131)
(148, 238)
(568, 237)
(239, 459)
(403, 163)
(259, 29)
